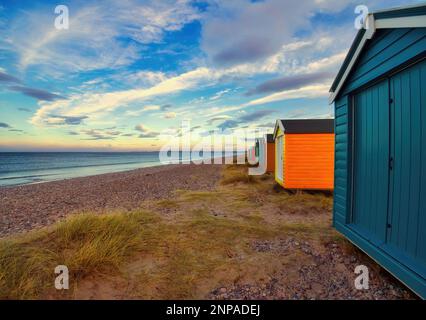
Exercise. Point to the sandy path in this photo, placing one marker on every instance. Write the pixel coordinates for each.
(26, 207)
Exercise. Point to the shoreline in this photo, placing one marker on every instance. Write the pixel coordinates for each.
(59, 175)
(77, 177)
(30, 206)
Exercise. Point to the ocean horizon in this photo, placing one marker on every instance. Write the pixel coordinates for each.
(21, 168)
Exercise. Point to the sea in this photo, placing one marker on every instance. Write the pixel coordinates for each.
(19, 168)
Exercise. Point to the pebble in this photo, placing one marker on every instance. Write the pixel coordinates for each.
(23, 208)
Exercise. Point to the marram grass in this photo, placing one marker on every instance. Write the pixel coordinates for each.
(85, 243)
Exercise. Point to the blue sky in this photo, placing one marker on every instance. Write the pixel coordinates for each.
(126, 72)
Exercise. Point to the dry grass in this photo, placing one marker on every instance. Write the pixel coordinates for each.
(237, 173)
(86, 243)
(204, 243)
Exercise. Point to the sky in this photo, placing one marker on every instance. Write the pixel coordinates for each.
(126, 73)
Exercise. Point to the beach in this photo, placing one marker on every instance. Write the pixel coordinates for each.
(26, 207)
(179, 232)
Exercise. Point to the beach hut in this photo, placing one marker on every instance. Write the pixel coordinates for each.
(270, 151)
(304, 153)
(265, 149)
(379, 97)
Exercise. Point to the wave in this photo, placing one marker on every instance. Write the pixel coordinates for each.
(26, 177)
(76, 166)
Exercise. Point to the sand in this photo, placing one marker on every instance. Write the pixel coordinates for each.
(23, 208)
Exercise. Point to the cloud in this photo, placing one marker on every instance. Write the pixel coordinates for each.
(142, 110)
(290, 82)
(218, 118)
(244, 31)
(256, 115)
(36, 93)
(148, 135)
(194, 128)
(113, 132)
(219, 94)
(4, 77)
(4, 125)
(142, 128)
(146, 132)
(97, 30)
(96, 134)
(267, 125)
(24, 109)
(142, 78)
(228, 124)
(170, 115)
(94, 103)
(307, 92)
(65, 120)
(31, 92)
(16, 130)
(245, 118)
(293, 58)
(258, 29)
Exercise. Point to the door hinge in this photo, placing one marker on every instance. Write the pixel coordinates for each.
(390, 100)
(389, 226)
(391, 163)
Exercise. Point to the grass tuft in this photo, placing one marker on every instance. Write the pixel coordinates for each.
(85, 243)
(236, 174)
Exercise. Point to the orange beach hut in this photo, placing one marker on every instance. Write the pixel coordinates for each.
(304, 153)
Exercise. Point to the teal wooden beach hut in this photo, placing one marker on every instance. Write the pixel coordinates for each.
(379, 96)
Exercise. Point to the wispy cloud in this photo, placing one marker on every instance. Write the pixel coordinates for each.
(65, 120)
(307, 92)
(92, 103)
(36, 93)
(259, 28)
(220, 94)
(143, 110)
(8, 127)
(218, 118)
(4, 77)
(24, 109)
(39, 94)
(98, 134)
(290, 82)
(245, 119)
(96, 29)
(146, 132)
(170, 115)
